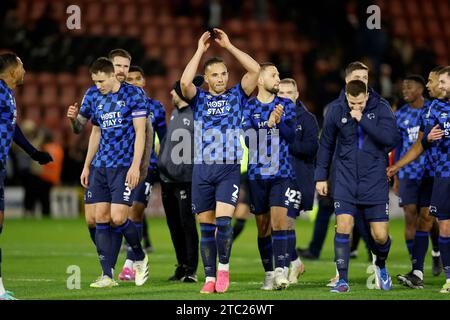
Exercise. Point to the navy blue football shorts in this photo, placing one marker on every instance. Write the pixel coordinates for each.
(440, 199)
(371, 212)
(295, 200)
(213, 183)
(415, 192)
(269, 193)
(108, 185)
(143, 191)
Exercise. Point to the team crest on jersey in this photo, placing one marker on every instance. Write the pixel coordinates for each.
(444, 115)
(371, 116)
(299, 128)
(186, 122)
(121, 103)
(208, 96)
(257, 116)
(344, 120)
(406, 122)
(100, 107)
(337, 205)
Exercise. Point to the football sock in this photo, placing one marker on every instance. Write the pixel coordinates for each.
(224, 239)
(419, 251)
(92, 234)
(444, 248)
(342, 254)
(103, 244)
(292, 241)
(279, 243)
(382, 252)
(409, 247)
(434, 242)
(130, 253)
(131, 234)
(238, 227)
(266, 252)
(116, 243)
(208, 249)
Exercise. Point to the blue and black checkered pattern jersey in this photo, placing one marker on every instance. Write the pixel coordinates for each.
(408, 122)
(217, 122)
(8, 114)
(263, 162)
(158, 117)
(431, 154)
(439, 114)
(114, 113)
(87, 103)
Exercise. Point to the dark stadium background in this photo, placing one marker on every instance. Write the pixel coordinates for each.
(310, 41)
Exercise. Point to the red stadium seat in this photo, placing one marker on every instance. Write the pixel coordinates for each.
(428, 10)
(400, 28)
(49, 94)
(129, 14)
(110, 14)
(433, 28)
(132, 30)
(416, 28)
(94, 10)
(412, 9)
(30, 94)
(33, 112)
(395, 8)
(52, 117)
(443, 7)
(97, 29)
(147, 14)
(168, 37)
(68, 96)
(151, 36)
(171, 57)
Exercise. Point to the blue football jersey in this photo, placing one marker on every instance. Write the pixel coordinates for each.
(114, 113)
(439, 114)
(409, 122)
(8, 114)
(263, 161)
(158, 118)
(217, 122)
(431, 153)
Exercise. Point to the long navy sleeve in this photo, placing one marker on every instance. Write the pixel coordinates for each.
(287, 130)
(327, 146)
(384, 131)
(22, 141)
(306, 142)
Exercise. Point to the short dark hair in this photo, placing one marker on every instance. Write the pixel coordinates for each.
(119, 53)
(355, 65)
(416, 78)
(355, 88)
(213, 60)
(445, 70)
(265, 65)
(437, 69)
(102, 64)
(137, 69)
(7, 60)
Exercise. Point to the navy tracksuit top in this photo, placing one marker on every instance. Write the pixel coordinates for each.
(359, 150)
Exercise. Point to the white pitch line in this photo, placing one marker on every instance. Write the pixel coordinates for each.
(31, 280)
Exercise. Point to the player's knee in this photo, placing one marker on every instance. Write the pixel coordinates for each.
(118, 220)
(424, 224)
(380, 236)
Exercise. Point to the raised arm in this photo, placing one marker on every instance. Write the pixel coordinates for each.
(188, 89)
(250, 79)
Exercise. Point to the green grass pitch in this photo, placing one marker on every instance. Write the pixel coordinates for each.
(37, 254)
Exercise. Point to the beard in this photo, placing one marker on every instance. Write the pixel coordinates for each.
(274, 90)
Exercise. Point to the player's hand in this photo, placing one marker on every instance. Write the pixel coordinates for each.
(356, 114)
(392, 171)
(84, 178)
(72, 112)
(435, 134)
(279, 110)
(42, 157)
(132, 179)
(203, 43)
(222, 38)
(322, 187)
